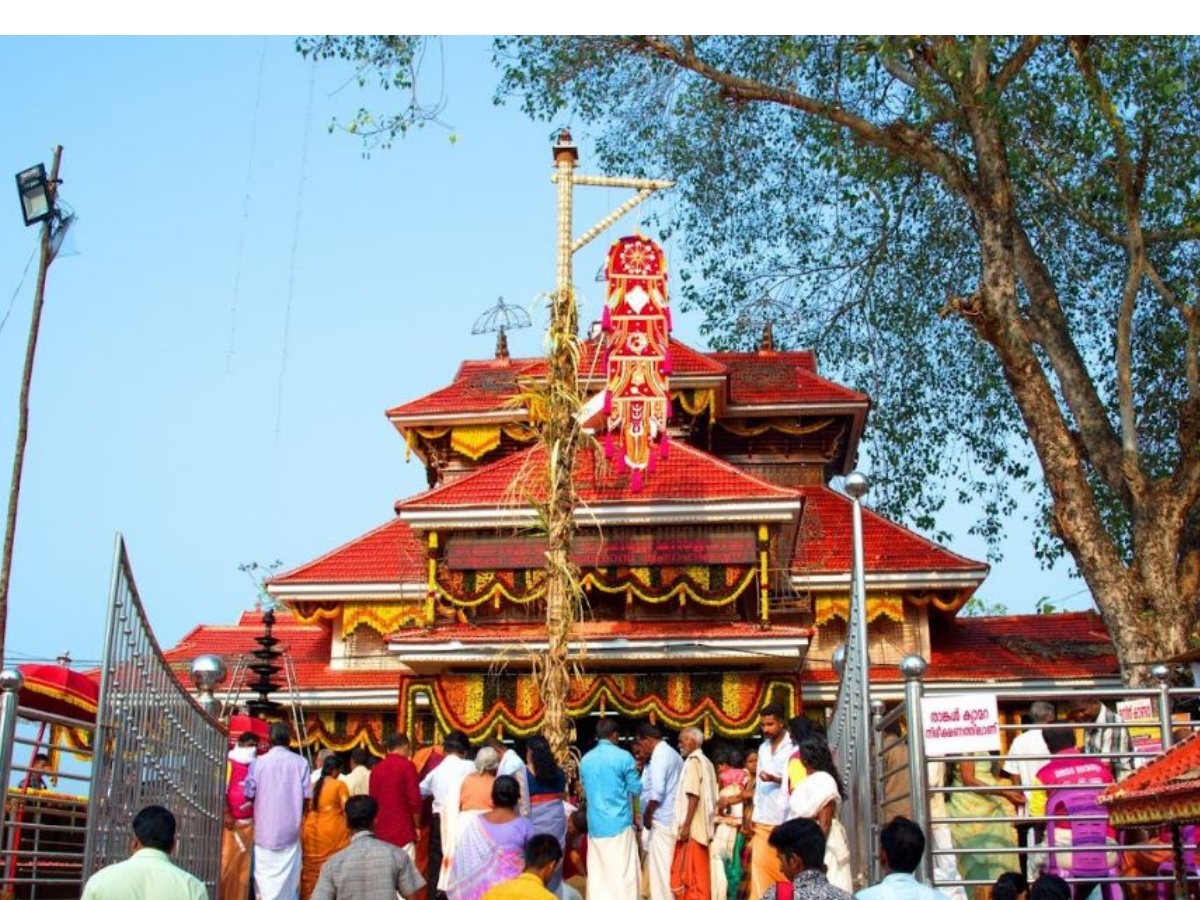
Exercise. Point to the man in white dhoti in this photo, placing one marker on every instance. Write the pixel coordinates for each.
(278, 785)
(610, 782)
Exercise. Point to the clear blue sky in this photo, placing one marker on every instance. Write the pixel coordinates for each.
(216, 216)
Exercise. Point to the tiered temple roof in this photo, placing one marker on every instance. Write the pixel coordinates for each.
(721, 580)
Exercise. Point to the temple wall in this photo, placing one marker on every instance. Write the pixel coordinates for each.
(795, 474)
(367, 649)
(890, 641)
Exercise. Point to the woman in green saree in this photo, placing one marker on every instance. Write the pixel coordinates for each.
(992, 799)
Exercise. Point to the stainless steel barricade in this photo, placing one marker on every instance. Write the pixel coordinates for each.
(154, 745)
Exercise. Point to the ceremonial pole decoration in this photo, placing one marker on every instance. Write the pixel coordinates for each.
(637, 323)
(561, 434)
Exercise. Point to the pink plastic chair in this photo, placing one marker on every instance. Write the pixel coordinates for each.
(1191, 868)
(1089, 847)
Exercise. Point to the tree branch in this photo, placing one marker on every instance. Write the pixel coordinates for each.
(898, 138)
(1127, 182)
(1191, 320)
(1015, 63)
(1171, 235)
(1083, 217)
(1124, 361)
(1051, 330)
(1079, 47)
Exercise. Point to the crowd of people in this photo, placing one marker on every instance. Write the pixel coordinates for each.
(659, 820)
(1003, 819)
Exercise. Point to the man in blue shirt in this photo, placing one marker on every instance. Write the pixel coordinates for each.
(660, 787)
(610, 782)
(901, 845)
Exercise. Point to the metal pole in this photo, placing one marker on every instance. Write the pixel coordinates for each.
(856, 486)
(913, 668)
(878, 708)
(35, 324)
(11, 682)
(1162, 674)
(1181, 869)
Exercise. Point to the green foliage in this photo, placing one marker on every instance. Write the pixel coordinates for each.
(1047, 607)
(391, 62)
(866, 244)
(995, 237)
(977, 606)
(259, 575)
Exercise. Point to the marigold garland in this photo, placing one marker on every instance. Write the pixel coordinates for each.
(308, 612)
(480, 704)
(382, 618)
(343, 732)
(475, 441)
(704, 585)
(696, 401)
(883, 605)
(781, 426)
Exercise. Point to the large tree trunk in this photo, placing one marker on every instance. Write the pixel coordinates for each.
(1149, 609)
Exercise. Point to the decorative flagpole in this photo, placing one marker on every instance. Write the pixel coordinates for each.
(561, 433)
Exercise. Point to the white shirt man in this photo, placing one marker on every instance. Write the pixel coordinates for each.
(770, 802)
(660, 784)
(444, 785)
(1028, 752)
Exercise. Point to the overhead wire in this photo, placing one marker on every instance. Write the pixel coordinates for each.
(245, 217)
(291, 287)
(20, 284)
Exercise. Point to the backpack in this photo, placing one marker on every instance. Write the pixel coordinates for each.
(240, 807)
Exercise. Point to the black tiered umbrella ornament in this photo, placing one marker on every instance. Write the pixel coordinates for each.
(501, 318)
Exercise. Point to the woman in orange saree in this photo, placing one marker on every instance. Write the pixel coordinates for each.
(324, 832)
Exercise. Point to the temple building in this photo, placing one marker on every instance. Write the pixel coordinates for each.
(714, 559)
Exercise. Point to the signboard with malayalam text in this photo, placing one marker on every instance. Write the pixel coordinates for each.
(956, 724)
(666, 546)
(1141, 714)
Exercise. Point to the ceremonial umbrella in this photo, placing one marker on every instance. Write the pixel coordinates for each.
(59, 691)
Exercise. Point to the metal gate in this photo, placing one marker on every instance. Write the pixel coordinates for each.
(153, 744)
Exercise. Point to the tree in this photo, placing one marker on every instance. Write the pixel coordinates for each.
(259, 575)
(994, 237)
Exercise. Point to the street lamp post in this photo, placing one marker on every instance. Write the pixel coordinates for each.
(38, 204)
(859, 658)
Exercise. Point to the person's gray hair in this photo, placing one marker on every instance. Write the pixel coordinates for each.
(1042, 712)
(486, 760)
(694, 734)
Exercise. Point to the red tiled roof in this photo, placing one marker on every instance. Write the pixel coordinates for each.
(824, 542)
(1063, 645)
(307, 645)
(685, 361)
(483, 386)
(687, 474)
(231, 641)
(781, 378)
(479, 386)
(389, 554)
(601, 630)
(1066, 646)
